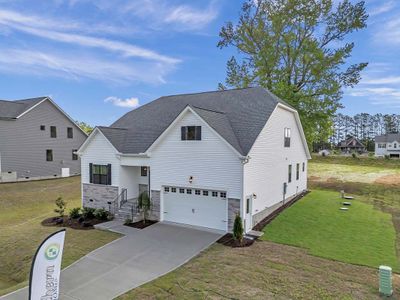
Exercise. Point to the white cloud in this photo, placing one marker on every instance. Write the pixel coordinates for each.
(125, 49)
(78, 65)
(181, 17)
(191, 17)
(129, 102)
(385, 7)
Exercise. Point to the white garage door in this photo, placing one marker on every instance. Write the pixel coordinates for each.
(197, 207)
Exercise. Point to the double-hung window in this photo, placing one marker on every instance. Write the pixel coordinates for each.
(287, 134)
(100, 174)
(290, 173)
(70, 133)
(53, 131)
(297, 171)
(191, 133)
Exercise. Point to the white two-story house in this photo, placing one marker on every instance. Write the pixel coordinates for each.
(388, 144)
(203, 158)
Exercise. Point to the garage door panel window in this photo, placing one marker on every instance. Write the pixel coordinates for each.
(205, 193)
(223, 195)
(189, 191)
(197, 192)
(173, 190)
(181, 191)
(166, 189)
(215, 194)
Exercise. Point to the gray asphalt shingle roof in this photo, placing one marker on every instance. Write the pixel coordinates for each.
(387, 138)
(12, 109)
(237, 115)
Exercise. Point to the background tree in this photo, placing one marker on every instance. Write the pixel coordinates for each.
(85, 127)
(297, 50)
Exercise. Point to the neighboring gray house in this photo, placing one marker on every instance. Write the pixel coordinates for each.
(37, 140)
(388, 144)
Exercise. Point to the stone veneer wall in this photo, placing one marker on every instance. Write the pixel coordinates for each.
(97, 195)
(155, 199)
(233, 209)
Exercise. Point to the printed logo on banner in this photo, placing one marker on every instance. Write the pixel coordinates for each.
(52, 251)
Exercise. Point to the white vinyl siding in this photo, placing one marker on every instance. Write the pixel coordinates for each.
(267, 169)
(211, 162)
(99, 151)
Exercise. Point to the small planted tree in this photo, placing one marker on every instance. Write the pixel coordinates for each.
(61, 206)
(144, 204)
(238, 229)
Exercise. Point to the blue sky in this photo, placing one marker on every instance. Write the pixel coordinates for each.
(98, 58)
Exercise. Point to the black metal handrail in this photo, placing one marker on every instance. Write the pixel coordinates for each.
(120, 200)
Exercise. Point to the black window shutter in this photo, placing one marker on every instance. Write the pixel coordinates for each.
(91, 173)
(198, 133)
(183, 133)
(109, 174)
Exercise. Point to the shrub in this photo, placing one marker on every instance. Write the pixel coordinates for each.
(387, 156)
(144, 204)
(101, 214)
(88, 213)
(128, 221)
(61, 205)
(75, 213)
(238, 229)
(354, 155)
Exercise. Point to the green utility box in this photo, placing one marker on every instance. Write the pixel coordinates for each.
(385, 280)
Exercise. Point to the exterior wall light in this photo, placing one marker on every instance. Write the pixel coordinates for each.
(190, 179)
(254, 196)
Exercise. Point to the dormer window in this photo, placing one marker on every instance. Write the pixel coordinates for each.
(191, 133)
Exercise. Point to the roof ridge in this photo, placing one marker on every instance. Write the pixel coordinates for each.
(209, 92)
(109, 127)
(216, 111)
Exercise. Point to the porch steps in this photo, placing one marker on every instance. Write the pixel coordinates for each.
(125, 211)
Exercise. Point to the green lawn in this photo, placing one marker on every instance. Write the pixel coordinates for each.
(363, 235)
(23, 207)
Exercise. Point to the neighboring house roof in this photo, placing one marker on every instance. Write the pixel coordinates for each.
(13, 109)
(387, 138)
(351, 142)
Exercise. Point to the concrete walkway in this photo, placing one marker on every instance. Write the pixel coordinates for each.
(138, 257)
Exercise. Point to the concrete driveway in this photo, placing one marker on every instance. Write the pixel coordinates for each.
(138, 257)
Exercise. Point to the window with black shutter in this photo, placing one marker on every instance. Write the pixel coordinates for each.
(100, 174)
(191, 133)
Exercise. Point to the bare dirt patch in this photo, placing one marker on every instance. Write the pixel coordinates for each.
(391, 180)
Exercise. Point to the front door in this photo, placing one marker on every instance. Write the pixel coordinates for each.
(248, 217)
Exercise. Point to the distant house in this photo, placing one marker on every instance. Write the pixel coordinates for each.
(351, 144)
(37, 140)
(388, 144)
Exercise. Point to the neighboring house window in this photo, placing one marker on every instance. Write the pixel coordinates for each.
(222, 195)
(42, 127)
(100, 174)
(74, 155)
(297, 171)
(53, 131)
(191, 133)
(304, 166)
(290, 173)
(70, 133)
(143, 171)
(205, 193)
(287, 137)
(49, 155)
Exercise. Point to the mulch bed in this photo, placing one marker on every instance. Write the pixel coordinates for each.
(72, 223)
(228, 240)
(141, 224)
